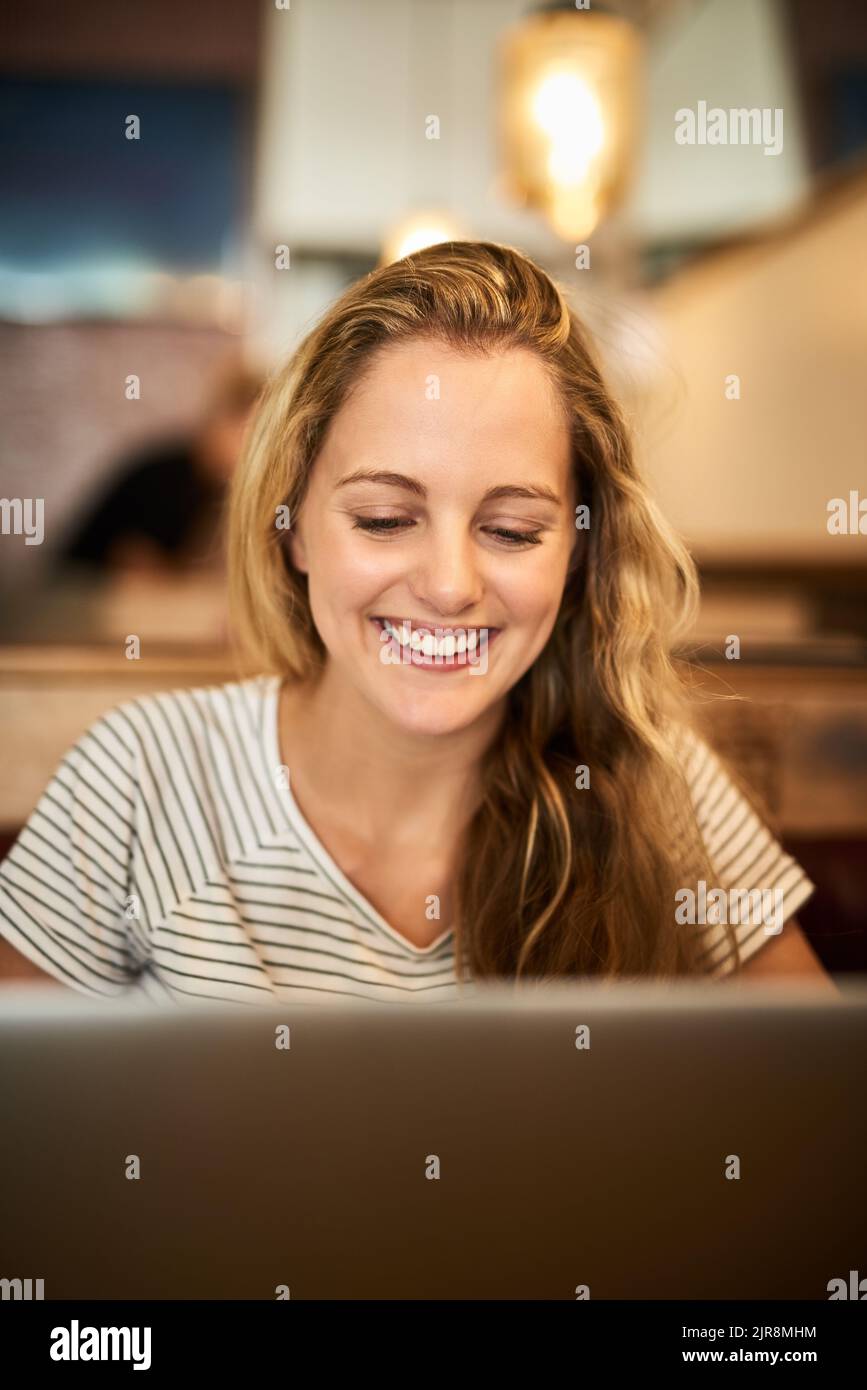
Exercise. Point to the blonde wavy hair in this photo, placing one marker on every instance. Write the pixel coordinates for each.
(553, 881)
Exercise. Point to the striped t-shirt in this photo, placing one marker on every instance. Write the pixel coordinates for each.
(168, 856)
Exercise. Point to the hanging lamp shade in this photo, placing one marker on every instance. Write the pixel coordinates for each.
(568, 94)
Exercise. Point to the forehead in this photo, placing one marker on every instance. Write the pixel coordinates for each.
(434, 402)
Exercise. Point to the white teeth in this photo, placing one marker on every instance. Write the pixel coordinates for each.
(451, 645)
(401, 633)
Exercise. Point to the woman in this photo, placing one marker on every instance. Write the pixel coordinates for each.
(469, 756)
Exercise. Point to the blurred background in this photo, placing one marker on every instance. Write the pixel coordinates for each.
(189, 183)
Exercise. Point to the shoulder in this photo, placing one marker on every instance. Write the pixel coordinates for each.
(192, 770)
(756, 885)
(184, 721)
(693, 751)
(725, 808)
(715, 786)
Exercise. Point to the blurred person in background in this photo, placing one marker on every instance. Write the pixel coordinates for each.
(161, 513)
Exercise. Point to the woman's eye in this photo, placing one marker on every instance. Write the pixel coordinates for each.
(516, 537)
(381, 523)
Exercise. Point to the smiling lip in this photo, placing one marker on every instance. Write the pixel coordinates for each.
(458, 661)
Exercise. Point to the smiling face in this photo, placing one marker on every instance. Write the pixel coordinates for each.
(442, 498)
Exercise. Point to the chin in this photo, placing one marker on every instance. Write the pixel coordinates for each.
(433, 713)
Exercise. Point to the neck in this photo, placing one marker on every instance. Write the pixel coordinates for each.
(397, 784)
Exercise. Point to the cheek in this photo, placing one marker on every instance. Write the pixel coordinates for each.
(347, 572)
(531, 593)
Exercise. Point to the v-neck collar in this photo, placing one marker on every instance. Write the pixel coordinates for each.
(296, 821)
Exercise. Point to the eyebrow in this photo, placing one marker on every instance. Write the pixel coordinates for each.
(531, 491)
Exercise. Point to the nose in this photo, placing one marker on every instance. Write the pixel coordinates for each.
(446, 580)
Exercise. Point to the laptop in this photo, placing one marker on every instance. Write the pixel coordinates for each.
(626, 1141)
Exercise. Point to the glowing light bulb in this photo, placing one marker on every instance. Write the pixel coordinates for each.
(565, 107)
(417, 231)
